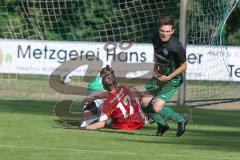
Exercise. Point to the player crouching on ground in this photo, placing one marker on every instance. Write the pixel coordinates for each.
(120, 105)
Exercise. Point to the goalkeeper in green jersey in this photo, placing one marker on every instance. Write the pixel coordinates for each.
(170, 64)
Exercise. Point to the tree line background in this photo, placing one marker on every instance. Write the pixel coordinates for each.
(102, 20)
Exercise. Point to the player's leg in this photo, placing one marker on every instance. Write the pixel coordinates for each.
(147, 103)
(91, 112)
(137, 95)
(158, 104)
(162, 93)
(166, 93)
(169, 113)
(154, 116)
(165, 112)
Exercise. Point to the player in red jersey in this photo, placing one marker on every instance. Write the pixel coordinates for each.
(121, 105)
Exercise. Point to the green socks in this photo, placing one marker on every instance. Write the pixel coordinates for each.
(158, 119)
(154, 116)
(166, 112)
(171, 114)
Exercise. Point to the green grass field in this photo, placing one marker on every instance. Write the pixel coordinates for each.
(30, 130)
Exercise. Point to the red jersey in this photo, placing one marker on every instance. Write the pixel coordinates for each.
(125, 114)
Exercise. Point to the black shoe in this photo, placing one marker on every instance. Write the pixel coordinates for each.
(161, 129)
(181, 128)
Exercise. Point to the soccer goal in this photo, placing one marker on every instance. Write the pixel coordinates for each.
(68, 22)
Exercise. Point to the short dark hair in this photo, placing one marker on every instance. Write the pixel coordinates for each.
(165, 21)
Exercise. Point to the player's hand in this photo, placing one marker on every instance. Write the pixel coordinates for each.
(164, 78)
(83, 128)
(160, 77)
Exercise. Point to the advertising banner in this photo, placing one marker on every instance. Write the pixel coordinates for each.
(212, 63)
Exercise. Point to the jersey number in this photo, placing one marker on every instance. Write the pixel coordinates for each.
(127, 102)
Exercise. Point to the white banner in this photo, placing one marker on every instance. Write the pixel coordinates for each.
(43, 57)
(213, 63)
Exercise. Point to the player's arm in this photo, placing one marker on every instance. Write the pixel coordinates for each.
(181, 58)
(96, 125)
(182, 68)
(102, 119)
(100, 96)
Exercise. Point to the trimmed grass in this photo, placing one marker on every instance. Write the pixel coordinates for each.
(37, 87)
(30, 130)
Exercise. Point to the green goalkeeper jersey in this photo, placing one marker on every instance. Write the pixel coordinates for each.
(96, 84)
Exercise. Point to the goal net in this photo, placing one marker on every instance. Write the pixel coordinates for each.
(132, 21)
(214, 81)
